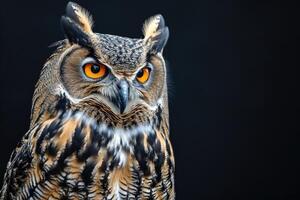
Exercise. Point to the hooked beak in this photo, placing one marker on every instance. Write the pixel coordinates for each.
(123, 90)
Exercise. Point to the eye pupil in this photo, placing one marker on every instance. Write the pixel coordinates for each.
(95, 69)
(140, 73)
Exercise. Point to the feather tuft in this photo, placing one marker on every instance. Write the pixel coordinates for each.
(156, 33)
(152, 26)
(80, 16)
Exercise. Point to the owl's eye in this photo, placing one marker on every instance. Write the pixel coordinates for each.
(95, 71)
(143, 75)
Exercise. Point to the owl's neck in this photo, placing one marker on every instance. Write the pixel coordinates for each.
(144, 140)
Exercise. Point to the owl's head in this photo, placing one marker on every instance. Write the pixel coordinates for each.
(116, 72)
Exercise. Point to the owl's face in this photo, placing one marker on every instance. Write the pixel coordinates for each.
(117, 72)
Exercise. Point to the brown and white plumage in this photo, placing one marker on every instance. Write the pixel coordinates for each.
(97, 138)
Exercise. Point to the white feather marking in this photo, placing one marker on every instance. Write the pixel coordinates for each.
(117, 191)
(160, 102)
(62, 91)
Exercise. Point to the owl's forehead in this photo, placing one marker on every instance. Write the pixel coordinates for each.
(121, 53)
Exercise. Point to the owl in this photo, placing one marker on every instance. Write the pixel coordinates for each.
(99, 124)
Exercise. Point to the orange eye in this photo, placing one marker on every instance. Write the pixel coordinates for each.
(95, 71)
(143, 75)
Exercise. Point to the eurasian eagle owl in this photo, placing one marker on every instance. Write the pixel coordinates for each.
(99, 124)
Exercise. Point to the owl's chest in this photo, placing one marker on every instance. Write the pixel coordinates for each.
(83, 160)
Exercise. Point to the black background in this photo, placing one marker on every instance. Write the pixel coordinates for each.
(234, 101)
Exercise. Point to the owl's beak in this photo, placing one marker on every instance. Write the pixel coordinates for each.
(123, 90)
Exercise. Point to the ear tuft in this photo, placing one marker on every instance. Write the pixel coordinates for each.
(156, 33)
(81, 16)
(74, 33)
(152, 26)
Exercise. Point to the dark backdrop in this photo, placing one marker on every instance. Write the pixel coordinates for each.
(233, 98)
